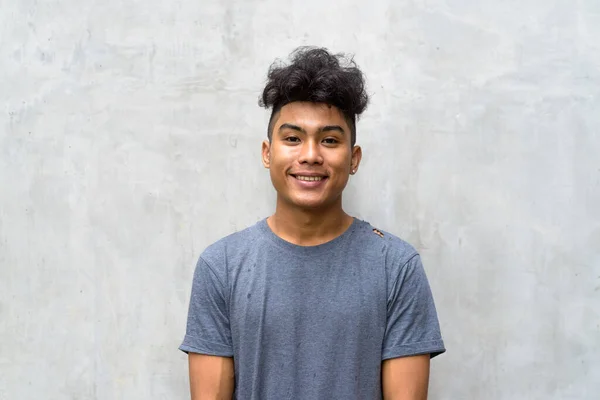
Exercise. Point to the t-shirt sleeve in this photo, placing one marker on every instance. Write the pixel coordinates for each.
(208, 330)
(412, 325)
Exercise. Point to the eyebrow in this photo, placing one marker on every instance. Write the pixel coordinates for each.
(326, 128)
(329, 128)
(291, 127)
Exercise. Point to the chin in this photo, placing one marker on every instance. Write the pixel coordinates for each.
(311, 204)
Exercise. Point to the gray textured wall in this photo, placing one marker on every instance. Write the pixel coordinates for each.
(130, 138)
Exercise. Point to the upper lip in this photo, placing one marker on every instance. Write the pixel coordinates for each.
(308, 174)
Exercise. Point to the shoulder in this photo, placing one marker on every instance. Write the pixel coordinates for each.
(395, 250)
(231, 246)
(401, 261)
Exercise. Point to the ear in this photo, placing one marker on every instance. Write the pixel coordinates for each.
(355, 161)
(266, 153)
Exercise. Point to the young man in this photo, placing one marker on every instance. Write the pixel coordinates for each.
(311, 303)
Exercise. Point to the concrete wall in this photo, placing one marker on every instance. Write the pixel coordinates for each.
(130, 138)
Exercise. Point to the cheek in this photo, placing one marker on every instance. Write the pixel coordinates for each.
(279, 167)
(342, 164)
(282, 159)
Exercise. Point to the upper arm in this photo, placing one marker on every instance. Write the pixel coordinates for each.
(208, 330)
(208, 336)
(412, 335)
(412, 326)
(405, 378)
(211, 377)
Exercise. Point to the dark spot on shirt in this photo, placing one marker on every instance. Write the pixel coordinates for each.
(377, 232)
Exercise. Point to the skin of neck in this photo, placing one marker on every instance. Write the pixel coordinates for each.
(309, 227)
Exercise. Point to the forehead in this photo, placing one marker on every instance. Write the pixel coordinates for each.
(311, 116)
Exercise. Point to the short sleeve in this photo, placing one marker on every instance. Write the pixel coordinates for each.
(412, 326)
(208, 330)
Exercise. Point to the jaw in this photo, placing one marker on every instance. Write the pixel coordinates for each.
(312, 204)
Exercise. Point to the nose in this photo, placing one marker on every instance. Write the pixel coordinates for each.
(310, 153)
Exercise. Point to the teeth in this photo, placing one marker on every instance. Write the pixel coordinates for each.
(309, 178)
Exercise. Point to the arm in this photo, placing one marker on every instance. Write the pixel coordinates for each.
(211, 377)
(207, 338)
(405, 378)
(413, 334)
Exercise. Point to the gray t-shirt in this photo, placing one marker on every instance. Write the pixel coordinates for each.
(311, 322)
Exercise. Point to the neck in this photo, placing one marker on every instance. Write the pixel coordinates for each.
(309, 227)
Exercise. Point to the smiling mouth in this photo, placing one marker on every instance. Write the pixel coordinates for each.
(309, 178)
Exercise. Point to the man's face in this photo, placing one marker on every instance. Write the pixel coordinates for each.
(310, 155)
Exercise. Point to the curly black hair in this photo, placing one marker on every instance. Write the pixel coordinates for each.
(316, 75)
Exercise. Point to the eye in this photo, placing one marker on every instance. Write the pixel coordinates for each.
(292, 139)
(330, 141)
